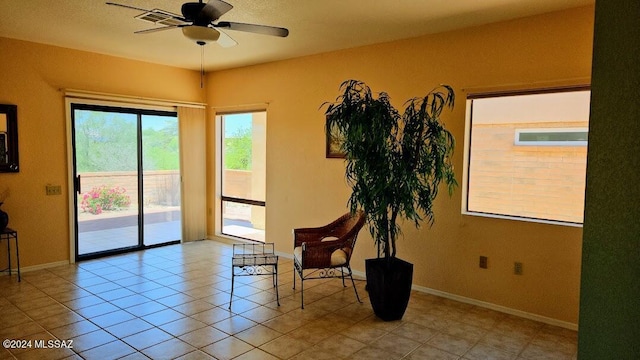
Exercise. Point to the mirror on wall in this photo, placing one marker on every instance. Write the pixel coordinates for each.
(8, 138)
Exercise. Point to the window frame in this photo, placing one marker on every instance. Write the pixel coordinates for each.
(220, 139)
(471, 96)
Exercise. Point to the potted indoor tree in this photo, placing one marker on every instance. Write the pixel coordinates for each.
(394, 166)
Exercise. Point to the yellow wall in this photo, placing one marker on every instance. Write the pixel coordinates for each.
(304, 188)
(30, 77)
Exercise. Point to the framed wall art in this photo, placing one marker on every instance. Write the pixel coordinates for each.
(334, 143)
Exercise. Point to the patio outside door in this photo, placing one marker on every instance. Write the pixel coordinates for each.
(127, 179)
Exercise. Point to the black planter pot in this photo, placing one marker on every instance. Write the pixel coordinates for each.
(389, 286)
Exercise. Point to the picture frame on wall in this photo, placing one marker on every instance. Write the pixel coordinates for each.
(334, 144)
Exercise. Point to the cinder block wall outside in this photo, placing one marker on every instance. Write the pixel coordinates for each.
(534, 181)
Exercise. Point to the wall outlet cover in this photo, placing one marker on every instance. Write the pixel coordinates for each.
(483, 262)
(517, 268)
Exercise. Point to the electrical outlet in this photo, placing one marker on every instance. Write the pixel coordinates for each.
(483, 262)
(517, 268)
(53, 189)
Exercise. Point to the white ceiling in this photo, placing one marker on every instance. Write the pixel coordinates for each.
(315, 26)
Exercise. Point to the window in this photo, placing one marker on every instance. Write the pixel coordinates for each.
(243, 174)
(552, 137)
(526, 155)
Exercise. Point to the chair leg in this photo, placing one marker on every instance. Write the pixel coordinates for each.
(301, 292)
(17, 257)
(233, 276)
(299, 271)
(354, 285)
(295, 270)
(275, 283)
(342, 271)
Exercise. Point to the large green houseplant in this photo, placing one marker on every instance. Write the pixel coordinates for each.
(394, 165)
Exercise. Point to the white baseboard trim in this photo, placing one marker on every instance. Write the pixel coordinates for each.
(359, 274)
(499, 308)
(285, 255)
(230, 240)
(462, 299)
(487, 305)
(223, 239)
(43, 266)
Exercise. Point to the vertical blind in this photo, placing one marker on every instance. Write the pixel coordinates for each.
(191, 122)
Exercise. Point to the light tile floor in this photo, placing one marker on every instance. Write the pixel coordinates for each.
(171, 302)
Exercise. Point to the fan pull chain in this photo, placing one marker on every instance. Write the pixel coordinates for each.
(201, 66)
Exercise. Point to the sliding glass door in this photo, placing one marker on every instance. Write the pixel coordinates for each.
(160, 179)
(127, 179)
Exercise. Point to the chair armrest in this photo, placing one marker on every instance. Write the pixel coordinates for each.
(316, 234)
(309, 235)
(330, 245)
(344, 229)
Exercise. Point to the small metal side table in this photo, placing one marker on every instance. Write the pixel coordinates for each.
(254, 259)
(10, 234)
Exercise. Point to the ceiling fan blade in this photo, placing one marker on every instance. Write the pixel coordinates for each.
(214, 9)
(225, 40)
(253, 28)
(127, 6)
(146, 31)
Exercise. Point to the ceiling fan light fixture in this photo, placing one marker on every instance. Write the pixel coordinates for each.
(200, 34)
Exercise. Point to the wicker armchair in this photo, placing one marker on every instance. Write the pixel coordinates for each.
(324, 252)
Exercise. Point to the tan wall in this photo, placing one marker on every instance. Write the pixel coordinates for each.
(304, 188)
(31, 77)
(237, 183)
(544, 182)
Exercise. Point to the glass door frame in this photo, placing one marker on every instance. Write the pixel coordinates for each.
(221, 126)
(72, 106)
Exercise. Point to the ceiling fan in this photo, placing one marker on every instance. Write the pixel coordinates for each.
(199, 22)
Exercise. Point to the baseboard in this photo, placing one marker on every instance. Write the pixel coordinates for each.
(230, 240)
(503, 309)
(359, 274)
(223, 239)
(500, 308)
(43, 266)
(285, 255)
(487, 305)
